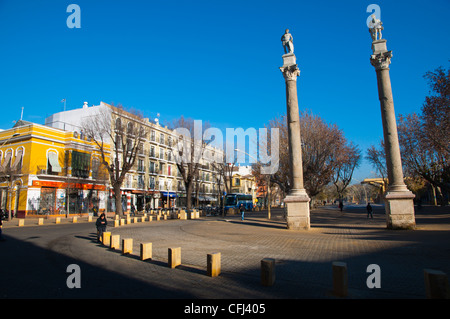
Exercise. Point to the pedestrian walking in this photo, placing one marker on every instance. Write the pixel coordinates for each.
(341, 206)
(242, 210)
(101, 225)
(369, 210)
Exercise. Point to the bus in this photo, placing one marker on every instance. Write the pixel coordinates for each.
(236, 199)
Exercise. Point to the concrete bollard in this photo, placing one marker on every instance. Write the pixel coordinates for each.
(21, 222)
(174, 257)
(122, 221)
(213, 266)
(135, 220)
(267, 272)
(146, 251)
(89, 218)
(150, 218)
(40, 221)
(128, 220)
(340, 278)
(74, 219)
(436, 284)
(115, 242)
(116, 223)
(58, 220)
(127, 246)
(106, 238)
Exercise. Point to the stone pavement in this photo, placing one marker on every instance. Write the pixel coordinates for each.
(37, 257)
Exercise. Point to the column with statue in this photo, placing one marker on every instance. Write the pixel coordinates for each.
(399, 204)
(297, 201)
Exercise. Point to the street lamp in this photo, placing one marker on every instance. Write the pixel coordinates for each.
(268, 183)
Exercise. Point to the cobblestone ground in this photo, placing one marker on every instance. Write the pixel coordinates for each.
(303, 258)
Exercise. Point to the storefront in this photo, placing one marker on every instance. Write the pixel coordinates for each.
(51, 198)
(168, 199)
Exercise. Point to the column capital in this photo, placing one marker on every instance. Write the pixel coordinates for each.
(290, 72)
(382, 60)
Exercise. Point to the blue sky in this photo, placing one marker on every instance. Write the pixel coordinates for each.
(217, 60)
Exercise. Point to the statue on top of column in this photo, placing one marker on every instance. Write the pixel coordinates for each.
(288, 42)
(375, 28)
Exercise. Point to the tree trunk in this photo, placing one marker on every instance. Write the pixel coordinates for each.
(118, 199)
(189, 194)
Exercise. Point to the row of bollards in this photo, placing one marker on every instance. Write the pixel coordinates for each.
(213, 262)
(40, 220)
(436, 282)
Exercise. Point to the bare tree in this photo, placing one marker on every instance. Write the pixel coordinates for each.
(188, 150)
(324, 149)
(376, 157)
(347, 159)
(124, 131)
(424, 138)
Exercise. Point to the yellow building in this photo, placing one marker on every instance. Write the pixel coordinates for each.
(243, 181)
(44, 168)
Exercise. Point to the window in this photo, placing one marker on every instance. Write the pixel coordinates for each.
(161, 138)
(151, 183)
(7, 161)
(152, 136)
(152, 151)
(53, 163)
(141, 183)
(17, 166)
(140, 165)
(80, 164)
(95, 168)
(118, 124)
(152, 167)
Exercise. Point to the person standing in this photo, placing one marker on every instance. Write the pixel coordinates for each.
(242, 210)
(101, 225)
(369, 210)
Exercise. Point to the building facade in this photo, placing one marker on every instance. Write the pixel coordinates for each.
(48, 171)
(154, 180)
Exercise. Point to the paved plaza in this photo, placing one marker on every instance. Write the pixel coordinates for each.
(35, 258)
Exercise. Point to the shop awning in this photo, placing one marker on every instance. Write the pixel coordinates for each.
(170, 194)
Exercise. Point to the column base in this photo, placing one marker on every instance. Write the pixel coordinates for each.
(400, 210)
(297, 207)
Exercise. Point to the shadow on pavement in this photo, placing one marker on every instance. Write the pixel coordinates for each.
(29, 271)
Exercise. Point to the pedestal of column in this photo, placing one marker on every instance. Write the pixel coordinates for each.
(297, 201)
(399, 203)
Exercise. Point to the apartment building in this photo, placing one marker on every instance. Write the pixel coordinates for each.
(154, 180)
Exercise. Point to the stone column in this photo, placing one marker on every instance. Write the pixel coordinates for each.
(297, 201)
(398, 199)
